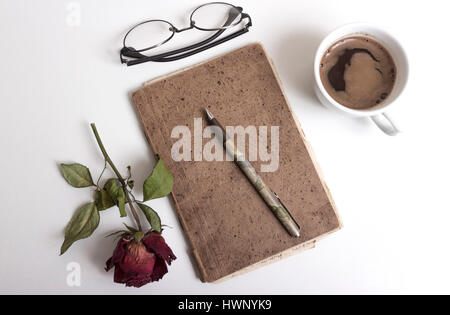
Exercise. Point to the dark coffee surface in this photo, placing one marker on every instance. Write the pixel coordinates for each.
(358, 72)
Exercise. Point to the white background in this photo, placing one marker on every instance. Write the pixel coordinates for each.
(392, 193)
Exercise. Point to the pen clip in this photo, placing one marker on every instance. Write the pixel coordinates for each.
(287, 210)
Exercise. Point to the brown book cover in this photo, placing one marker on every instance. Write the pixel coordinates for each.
(229, 227)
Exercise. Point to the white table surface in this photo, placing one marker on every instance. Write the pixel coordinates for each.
(57, 76)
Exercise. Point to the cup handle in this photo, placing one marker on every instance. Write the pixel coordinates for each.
(385, 123)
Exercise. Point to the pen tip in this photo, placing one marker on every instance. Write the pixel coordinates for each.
(208, 113)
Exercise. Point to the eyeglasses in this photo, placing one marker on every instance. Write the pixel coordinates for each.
(213, 16)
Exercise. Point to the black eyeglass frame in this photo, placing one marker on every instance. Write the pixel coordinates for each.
(190, 50)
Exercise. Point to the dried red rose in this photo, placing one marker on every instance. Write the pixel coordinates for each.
(138, 263)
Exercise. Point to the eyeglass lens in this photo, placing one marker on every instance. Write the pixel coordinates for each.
(149, 34)
(215, 16)
(211, 17)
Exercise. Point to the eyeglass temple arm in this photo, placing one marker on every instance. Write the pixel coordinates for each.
(189, 53)
(165, 57)
(176, 51)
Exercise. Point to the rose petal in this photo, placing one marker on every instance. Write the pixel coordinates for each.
(138, 260)
(159, 270)
(120, 276)
(137, 264)
(118, 254)
(139, 281)
(156, 243)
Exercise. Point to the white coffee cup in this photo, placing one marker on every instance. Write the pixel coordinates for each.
(377, 113)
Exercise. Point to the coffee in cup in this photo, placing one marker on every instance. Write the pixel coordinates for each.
(366, 92)
(358, 72)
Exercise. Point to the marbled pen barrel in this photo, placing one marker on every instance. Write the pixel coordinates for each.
(266, 193)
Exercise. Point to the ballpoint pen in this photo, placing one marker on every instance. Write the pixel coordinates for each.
(270, 197)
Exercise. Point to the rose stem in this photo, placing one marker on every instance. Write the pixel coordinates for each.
(119, 177)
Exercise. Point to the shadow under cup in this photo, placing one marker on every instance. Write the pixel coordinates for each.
(385, 39)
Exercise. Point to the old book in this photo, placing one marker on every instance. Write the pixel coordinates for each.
(229, 227)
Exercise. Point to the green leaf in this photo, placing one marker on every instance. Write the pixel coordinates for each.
(138, 236)
(82, 225)
(159, 183)
(115, 190)
(131, 229)
(103, 200)
(152, 217)
(130, 184)
(77, 175)
(121, 232)
(121, 203)
(112, 186)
